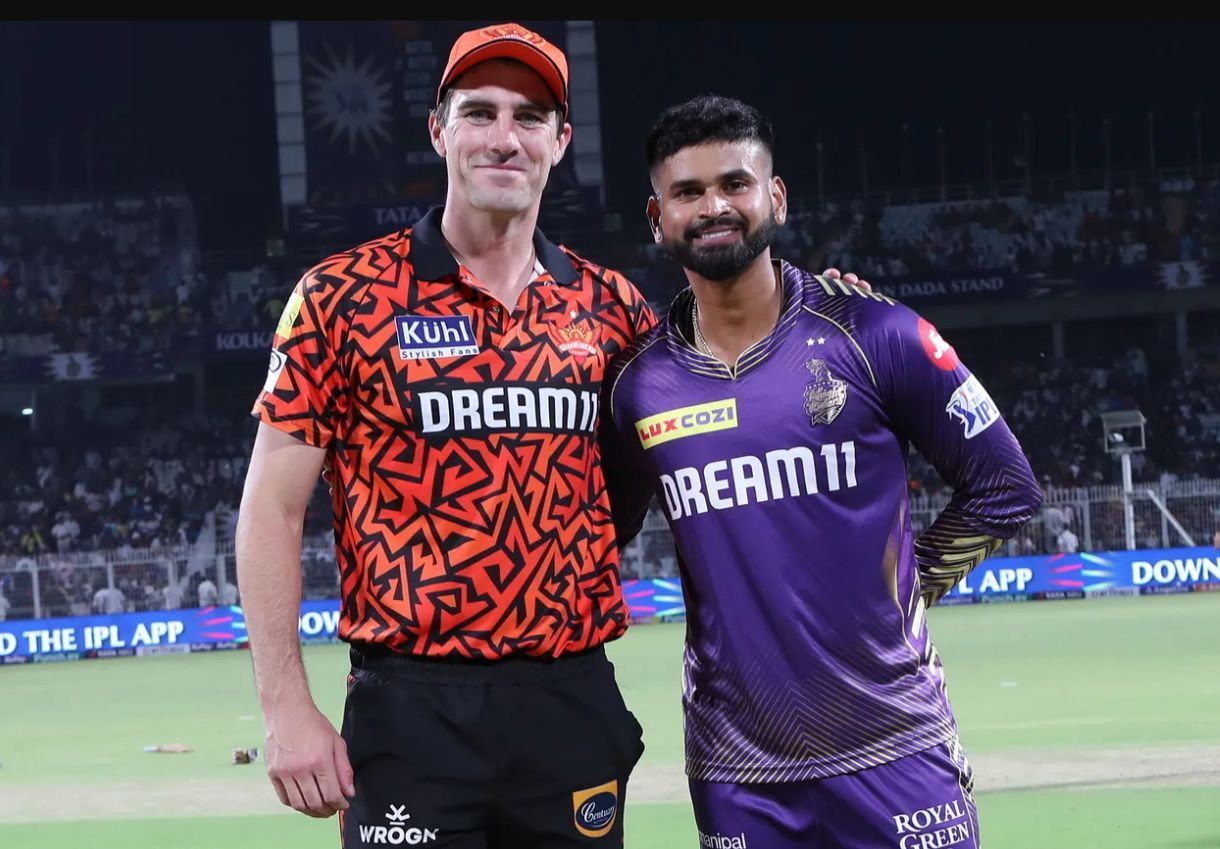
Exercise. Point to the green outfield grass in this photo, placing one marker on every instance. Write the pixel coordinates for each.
(1026, 680)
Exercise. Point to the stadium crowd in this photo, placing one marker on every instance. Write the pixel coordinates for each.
(126, 276)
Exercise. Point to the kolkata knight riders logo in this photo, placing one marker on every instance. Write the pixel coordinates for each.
(825, 397)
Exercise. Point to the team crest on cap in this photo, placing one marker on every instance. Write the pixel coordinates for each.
(825, 397)
(513, 31)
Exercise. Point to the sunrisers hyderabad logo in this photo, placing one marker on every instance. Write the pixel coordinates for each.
(575, 339)
(513, 31)
(594, 810)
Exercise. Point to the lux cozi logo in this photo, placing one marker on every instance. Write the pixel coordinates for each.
(687, 421)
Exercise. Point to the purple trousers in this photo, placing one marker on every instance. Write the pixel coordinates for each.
(923, 801)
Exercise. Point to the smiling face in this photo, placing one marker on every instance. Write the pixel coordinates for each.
(497, 129)
(717, 206)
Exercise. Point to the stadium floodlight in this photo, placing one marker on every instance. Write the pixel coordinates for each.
(1124, 435)
(1124, 431)
(27, 411)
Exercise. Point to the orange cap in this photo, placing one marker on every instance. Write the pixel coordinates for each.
(509, 41)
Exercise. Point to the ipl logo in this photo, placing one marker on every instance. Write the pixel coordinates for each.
(972, 407)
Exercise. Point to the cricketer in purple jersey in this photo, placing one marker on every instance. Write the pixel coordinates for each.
(784, 482)
(771, 411)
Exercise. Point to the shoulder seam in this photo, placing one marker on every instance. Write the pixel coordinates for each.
(867, 364)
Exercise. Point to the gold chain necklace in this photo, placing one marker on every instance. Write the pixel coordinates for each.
(701, 343)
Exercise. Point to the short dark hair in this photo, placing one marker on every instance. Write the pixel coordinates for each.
(704, 119)
(442, 109)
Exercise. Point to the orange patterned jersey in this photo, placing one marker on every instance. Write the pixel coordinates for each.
(470, 510)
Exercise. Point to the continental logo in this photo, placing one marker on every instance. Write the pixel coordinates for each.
(687, 421)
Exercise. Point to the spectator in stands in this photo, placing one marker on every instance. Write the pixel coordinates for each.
(109, 600)
(32, 543)
(1055, 523)
(55, 601)
(6, 605)
(155, 487)
(106, 278)
(173, 596)
(228, 593)
(207, 593)
(65, 532)
(153, 599)
(1066, 542)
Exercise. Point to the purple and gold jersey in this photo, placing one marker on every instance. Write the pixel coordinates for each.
(784, 482)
